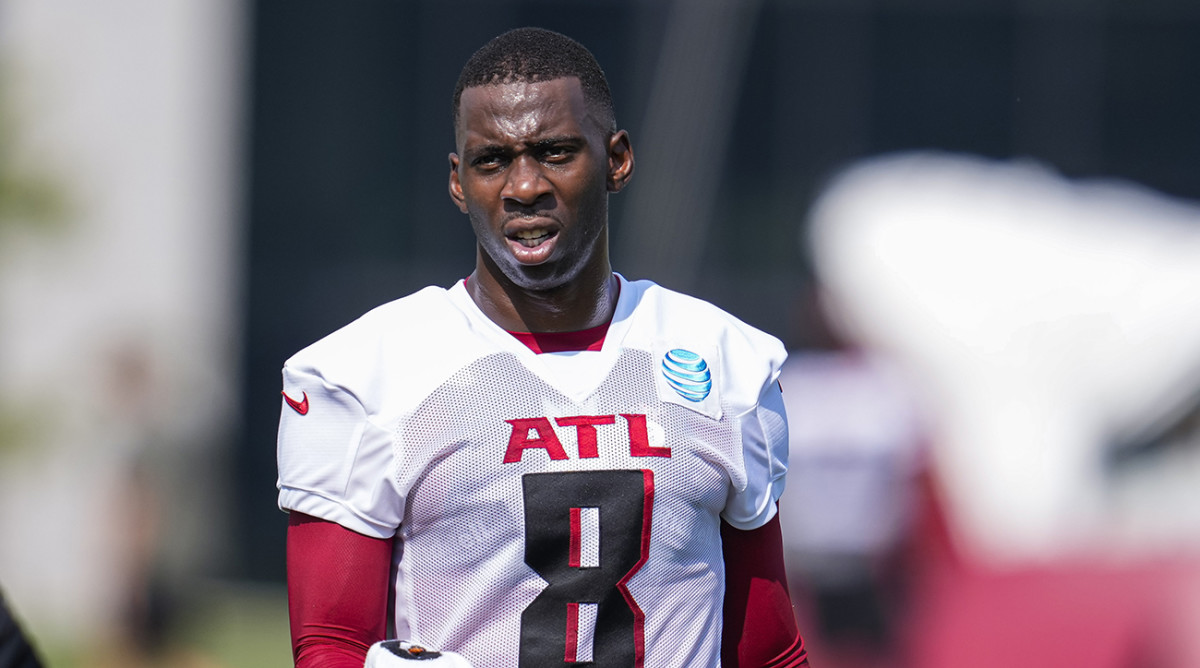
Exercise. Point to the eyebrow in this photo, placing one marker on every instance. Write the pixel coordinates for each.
(492, 148)
(563, 139)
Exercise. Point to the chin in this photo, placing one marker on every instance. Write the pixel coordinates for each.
(539, 284)
(539, 278)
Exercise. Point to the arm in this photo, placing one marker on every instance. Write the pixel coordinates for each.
(337, 592)
(759, 623)
(760, 626)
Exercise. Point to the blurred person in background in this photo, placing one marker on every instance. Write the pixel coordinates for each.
(854, 459)
(545, 463)
(1053, 329)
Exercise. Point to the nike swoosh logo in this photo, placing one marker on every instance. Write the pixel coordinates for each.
(300, 407)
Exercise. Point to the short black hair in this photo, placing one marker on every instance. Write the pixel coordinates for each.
(535, 54)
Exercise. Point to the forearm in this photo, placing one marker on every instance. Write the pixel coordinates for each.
(760, 625)
(337, 592)
(315, 650)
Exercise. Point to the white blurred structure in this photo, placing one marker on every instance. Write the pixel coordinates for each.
(118, 348)
(1047, 321)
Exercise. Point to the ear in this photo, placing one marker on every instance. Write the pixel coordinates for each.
(620, 161)
(456, 192)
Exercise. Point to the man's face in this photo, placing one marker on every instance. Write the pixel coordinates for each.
(533, 172)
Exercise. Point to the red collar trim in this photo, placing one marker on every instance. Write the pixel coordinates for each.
(561, 342)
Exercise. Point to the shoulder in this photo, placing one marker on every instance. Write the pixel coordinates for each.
(407, 318)
(670, 310)
(412, 337)
(748, 358)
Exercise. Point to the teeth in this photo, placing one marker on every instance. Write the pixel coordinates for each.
(530, 234)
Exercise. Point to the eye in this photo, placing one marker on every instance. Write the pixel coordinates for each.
(557, 153)
(489, 161)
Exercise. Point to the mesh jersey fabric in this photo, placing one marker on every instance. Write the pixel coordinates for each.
(427, 422)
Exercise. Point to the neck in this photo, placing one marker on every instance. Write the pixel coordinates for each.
(582, 303)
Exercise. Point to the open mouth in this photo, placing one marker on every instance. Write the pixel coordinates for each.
(533, 245)
(532, 238)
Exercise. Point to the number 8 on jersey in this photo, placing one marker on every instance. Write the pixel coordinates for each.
(586, 533)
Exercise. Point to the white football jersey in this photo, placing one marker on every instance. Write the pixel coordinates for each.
(548, 509)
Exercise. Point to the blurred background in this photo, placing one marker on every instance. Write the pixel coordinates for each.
(970, 220)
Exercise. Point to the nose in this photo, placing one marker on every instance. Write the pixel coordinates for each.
(526, 182)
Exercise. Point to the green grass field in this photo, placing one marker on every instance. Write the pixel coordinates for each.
(227, 625)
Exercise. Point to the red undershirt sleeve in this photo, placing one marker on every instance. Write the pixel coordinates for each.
(760, 626)
(337, 592)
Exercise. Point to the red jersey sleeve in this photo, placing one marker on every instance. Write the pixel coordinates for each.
(337, 592)
(760, 626)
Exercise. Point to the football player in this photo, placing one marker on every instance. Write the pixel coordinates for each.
(545, 464)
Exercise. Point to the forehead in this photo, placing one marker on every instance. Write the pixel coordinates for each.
(519, 111)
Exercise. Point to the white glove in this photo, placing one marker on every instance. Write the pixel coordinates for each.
(405, 654)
